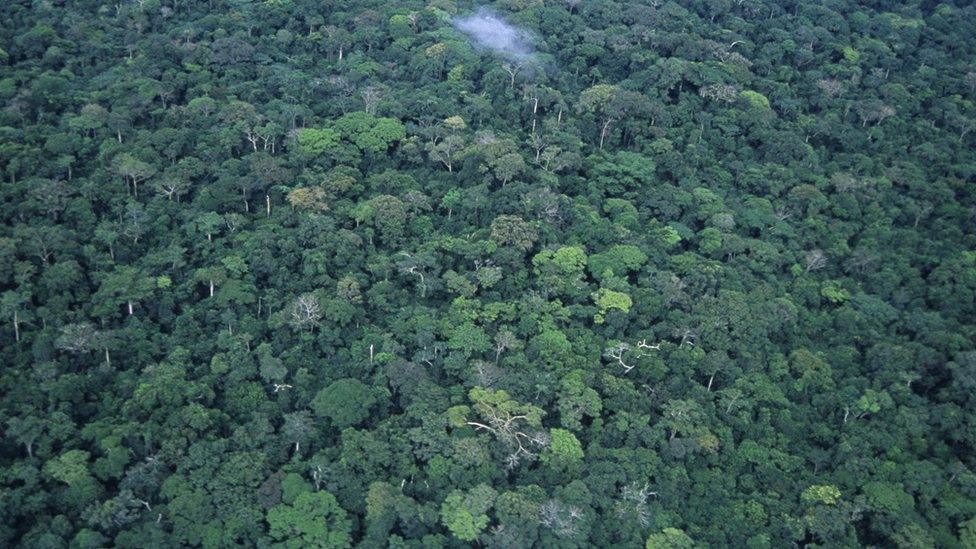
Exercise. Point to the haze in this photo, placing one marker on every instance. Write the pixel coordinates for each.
(491, 32)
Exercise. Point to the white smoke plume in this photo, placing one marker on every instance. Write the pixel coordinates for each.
(492, 32)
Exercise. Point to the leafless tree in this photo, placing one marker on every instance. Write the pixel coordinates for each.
(560, 518)
(688, 336)
(844, 182)
(633, 503)
(341, 89)
(306, 312)
(816, 260)
(76, 338)
(732, 396)
(671, 288)
(52, 196)
(618, 352)
(504, 340)
(873, 110)
(486, 374)
(371, 97)
(409, 265)
(726, 93)
(970, 81)
(642, 345)
(547, 204)
(831, 87)
(511, 429)
(539, 144)
(512, 69)
(861, 260)
(171, 187)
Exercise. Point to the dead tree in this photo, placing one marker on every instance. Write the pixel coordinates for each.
(560, 518)
(306, 312)
(816, 260)
(618, 352)
(512, 70)
(633, 503)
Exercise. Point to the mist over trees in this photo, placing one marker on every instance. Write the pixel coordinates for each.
(622, 273)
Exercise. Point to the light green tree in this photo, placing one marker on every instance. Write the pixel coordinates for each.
(466, 514)
(609, 300)
(313, 520)
(669, 538)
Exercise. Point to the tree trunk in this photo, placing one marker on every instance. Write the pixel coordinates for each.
(129, 303)
(108, 359)
(16, 327)
(267, 202)
(603, 132)
(211, 288)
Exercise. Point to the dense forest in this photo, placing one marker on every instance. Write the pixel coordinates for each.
(523, 273)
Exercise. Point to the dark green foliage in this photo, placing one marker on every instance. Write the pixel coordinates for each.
(324, 274)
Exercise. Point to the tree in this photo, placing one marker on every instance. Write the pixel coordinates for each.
(25, 431)
(560, 270)
(609, 104)
(510, 230)
(77, 338)
(297, 427)
(682, 416)
(133, 170)
(14, 303)
(346, 402)
(618, 260)
(447, 150)
(669, 538)
(610, 300)
(564, 452)
(305, 312)
(311, 199)
(577, 400)
(122, 286)
(314, 142)
(465, 514)
(314, 519)
(513, 424)
(821, 494)
(390, 217)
